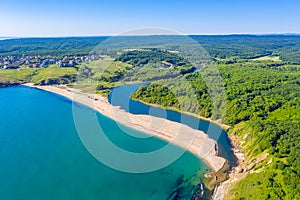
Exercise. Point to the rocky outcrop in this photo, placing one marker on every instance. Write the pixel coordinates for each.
(7, 84)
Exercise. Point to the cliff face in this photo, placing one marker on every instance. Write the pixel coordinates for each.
(7, 84)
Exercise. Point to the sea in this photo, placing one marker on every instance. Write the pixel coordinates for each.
(42, 155)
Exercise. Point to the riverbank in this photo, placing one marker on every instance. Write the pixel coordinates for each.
(195, 141)
(236, 173)
(215, 122)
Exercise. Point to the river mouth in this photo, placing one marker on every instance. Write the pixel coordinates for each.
(120, 96)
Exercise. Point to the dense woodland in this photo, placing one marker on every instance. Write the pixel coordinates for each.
(260, 76)
(243, 46)
(49, 46)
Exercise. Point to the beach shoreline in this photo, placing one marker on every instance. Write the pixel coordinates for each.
(195, 141)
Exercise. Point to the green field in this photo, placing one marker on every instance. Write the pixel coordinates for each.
(38, 76)
(22, 75)
(58, 75)
(107, 66)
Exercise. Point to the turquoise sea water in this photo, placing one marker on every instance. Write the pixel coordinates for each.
(42, 156)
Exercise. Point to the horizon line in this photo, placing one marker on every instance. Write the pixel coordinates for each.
(112, 35)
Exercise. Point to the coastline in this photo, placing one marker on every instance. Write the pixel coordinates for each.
(195, 141)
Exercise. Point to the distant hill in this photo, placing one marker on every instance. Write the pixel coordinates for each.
(219, 46)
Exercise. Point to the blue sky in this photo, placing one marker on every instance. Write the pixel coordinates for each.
(103, 17)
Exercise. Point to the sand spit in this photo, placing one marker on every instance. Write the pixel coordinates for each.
(188, 138)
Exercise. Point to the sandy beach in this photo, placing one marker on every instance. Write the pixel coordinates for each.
(188, 138)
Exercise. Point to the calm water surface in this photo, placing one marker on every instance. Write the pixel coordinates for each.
(42, 156)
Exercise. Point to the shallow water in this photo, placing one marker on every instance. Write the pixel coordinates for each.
(42, 156)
